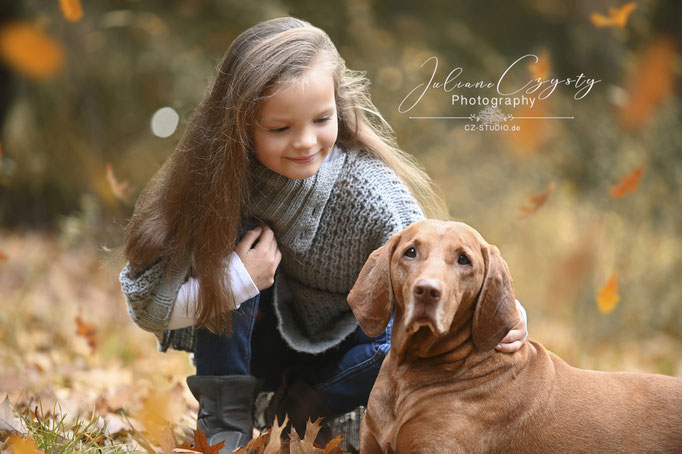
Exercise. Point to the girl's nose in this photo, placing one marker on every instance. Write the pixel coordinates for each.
(305, 139)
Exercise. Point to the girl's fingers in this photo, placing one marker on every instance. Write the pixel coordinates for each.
(513, 336)
(247, 240)
(510, 347)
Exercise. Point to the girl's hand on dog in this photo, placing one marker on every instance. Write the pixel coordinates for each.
(260, 260)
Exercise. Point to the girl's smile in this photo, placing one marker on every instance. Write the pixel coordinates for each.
(297, 125)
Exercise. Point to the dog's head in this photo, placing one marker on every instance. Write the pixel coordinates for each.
(435, 270)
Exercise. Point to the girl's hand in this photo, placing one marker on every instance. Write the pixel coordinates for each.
(260, 261)
(517, 336)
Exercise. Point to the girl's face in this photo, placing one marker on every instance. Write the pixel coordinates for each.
(297, 126)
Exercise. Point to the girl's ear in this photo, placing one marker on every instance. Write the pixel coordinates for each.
(371, 298)
(495, 312)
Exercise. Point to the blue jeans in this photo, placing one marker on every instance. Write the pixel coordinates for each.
(343, 376)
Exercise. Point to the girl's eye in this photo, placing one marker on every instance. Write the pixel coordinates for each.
(411, 252)
(463, 260)
(323, 120)
(282, 129)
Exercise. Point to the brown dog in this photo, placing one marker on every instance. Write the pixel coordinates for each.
(444, 389)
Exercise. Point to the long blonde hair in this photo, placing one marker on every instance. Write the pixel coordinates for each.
(196, 202)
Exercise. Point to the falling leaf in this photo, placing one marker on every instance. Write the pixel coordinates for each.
(533, 130)
(540, 70)
(3, 257)
(30, 51)
(122, 190)
(651, 83)
(72, 10)
(608, 298)
(19, 445)
(201, 444)
(628, 183)
(537, 201)
(8, 420)
(86, 331)
(618, 17)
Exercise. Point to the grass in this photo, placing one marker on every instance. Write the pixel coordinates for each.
(54, 434)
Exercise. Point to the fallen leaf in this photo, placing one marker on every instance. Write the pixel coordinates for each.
(201, 444)
(307, 444)
(618, 17)
(537, 201)
(72, 10)
(540, 70)
(87, 331)
(608, 298)
(651, 82)
(19, 445)
(628, 183)
(275, 437)
(8, 420)
(30, 51)
(333, 446)
(167, 441)
(2, 256)
(121, 189)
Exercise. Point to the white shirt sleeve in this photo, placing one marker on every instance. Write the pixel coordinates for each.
(185, 305)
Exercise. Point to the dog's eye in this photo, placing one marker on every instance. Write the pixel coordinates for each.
(411, 252)
(463, 260)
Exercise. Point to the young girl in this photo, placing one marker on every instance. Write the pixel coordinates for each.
(280, 178)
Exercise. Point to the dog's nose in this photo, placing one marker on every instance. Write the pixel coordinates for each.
(427, 291)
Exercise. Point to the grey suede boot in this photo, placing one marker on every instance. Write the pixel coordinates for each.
(225, 408)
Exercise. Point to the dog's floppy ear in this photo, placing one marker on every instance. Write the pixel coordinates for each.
(495, 312)
(371, 297)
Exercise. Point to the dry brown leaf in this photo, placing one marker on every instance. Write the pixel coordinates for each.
(618, 17)
(121, 189)
(275, 442)
(608, 298)
(9, 420)
(628, 183)
(535, 202)
(20, 445)
(201, 444)
(86, 331)
(651, 83)
(541, 69)
(72, 10)
(30, 51)
(307, 444)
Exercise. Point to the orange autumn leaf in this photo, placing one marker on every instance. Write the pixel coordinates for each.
(651, 83)
(540, 70)
(535, 202)
(30, 51)
(608, 298)
(3, 257)
(618, 17)
(87, 331)
(333, 446)
(19, 445)
(628, 183)
(72, 10)
(201, 444)
(121, 189)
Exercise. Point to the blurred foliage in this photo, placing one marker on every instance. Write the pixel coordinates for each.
(126, 59)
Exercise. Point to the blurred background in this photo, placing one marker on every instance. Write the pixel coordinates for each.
(586, 211)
